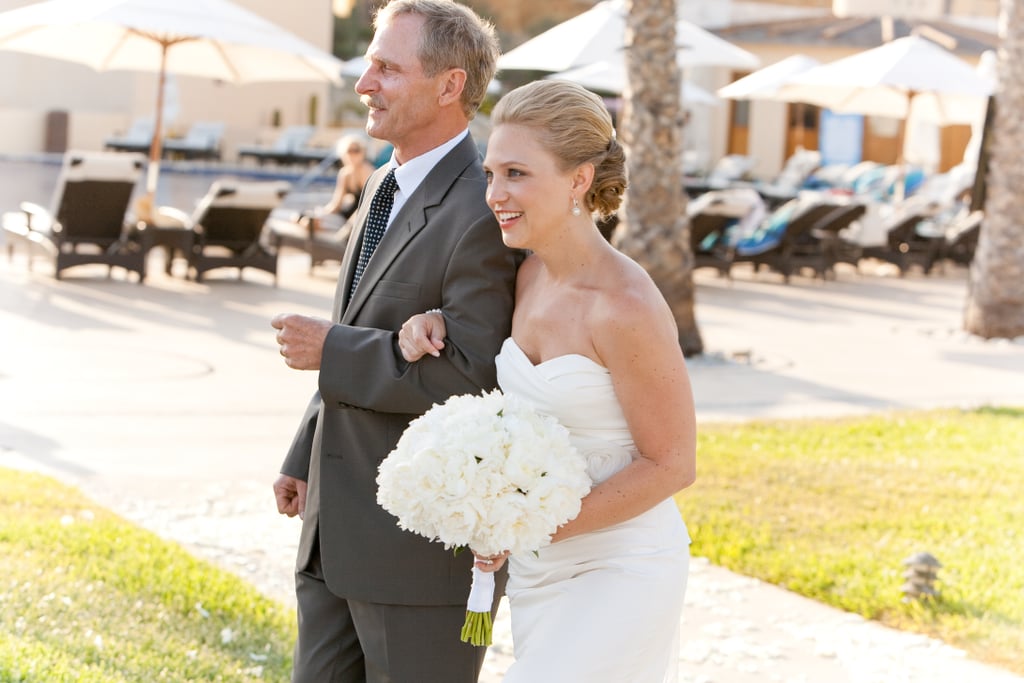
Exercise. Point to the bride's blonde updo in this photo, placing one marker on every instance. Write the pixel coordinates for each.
(575, 127)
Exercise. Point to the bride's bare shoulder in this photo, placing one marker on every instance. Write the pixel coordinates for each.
(632, 301)
(629, 284)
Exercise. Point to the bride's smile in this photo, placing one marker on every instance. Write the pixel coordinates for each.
(530, 196)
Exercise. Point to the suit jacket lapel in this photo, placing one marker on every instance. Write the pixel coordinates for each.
(355, 244)
(412, 218)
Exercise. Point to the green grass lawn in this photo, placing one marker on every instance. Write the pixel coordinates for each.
(830, 509)
(87, 597)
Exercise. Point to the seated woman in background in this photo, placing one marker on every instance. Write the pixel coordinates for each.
(355, 169)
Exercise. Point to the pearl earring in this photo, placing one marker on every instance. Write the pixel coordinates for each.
(576, 207)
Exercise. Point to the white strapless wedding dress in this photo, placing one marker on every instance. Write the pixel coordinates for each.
(602, 607)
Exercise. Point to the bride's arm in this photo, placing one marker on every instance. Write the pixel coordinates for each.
(636, 338)
(421, 335)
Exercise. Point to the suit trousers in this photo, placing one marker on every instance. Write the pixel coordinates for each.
(351, 641)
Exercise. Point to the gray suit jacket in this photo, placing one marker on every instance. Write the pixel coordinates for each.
(443, 250)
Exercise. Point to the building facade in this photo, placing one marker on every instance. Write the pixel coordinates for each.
(47, 104)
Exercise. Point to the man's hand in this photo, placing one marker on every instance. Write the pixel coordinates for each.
(290, 494)
(301, 339)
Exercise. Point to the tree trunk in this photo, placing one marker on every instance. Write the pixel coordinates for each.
(654, 229)
(995, 299)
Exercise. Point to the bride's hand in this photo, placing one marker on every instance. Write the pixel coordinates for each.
(491, 563)
(421, 335)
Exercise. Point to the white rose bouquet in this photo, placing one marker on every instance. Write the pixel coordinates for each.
(488, 472)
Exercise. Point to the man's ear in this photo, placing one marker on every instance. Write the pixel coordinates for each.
(452, 84)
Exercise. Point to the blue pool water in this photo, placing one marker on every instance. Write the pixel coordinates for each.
(180, 185)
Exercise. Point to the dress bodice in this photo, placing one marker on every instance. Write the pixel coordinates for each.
(578, 392)
(632, 572)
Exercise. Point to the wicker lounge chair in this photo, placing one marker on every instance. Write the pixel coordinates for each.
(717, 219)
(321, 246)
(905, 245)
(137, 138)
(834, 248)
(784, 242)
(284, 149)
(202, 141)
(228, 227)
(960, 237)
(86, 222)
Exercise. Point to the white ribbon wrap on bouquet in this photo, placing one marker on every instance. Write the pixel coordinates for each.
(481, 593)
(477, 629)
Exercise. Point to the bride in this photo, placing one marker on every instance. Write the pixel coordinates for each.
(593, 344)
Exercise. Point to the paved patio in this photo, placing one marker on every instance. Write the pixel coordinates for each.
(168, 403)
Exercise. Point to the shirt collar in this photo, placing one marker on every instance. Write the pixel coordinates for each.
(410, 174)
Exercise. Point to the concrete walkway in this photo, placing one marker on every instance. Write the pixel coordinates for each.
(169, 404)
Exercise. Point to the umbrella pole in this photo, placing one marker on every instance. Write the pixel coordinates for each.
(900, 190)
(800, 126)
(145, 204)
(156, 146)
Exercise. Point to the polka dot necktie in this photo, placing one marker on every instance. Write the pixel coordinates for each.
(376, 223)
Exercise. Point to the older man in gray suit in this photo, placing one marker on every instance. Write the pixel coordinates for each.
(376, 603)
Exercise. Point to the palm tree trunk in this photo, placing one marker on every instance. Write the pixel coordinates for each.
(653, 228)
(995, 300)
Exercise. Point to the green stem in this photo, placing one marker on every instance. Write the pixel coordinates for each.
(478, 628)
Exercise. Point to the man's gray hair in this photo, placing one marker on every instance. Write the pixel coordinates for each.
(454, 36)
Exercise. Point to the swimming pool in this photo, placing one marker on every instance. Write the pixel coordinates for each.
(180, 184)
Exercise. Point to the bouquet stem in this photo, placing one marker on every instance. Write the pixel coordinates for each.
(478, 628)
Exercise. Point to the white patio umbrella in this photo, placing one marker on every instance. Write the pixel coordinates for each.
(765, 83)
(599, 34)
(610, 76)
(909, 76)
(211, 38)
(987, 67)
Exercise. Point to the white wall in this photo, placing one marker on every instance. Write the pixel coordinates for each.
(102, 104)
(767, 138)
(21, 131)
(707, 132)
(34, 86)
